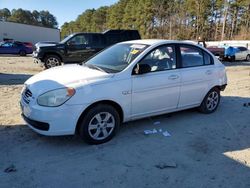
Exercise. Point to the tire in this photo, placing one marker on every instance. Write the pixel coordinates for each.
(232, 58)
(22, 53)
(210, 102)
(52, 61)
(100, 124)
(248, 57)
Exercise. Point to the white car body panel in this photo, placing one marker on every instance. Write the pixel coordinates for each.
(155, 92)
(242, 55)
(138, 95)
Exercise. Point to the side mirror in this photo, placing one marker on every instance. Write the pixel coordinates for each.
(70, 43)
(142, 69)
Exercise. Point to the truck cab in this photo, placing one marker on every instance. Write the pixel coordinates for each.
(79, 47)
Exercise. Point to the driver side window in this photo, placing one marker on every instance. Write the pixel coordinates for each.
(79, 40)
(161, 58)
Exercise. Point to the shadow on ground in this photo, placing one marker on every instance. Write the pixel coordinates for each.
(193, 156)
(236, 63)
(13, 79)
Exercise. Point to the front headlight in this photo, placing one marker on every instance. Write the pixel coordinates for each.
(55, 97)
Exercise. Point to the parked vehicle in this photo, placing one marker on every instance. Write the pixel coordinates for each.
(14, 48)
(216, 50)
(237, 53)
(28, 44)
(128, 81)
(79, 47)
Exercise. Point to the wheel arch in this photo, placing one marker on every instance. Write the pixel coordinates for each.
(52, 53)
(107, 102)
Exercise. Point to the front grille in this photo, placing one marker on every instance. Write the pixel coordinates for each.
(27, 94)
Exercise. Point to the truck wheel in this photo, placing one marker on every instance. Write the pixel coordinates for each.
(52, 61)
(100, 124)
(22, 53)
(210, 102)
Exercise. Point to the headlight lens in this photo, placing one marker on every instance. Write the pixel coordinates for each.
(55, 97)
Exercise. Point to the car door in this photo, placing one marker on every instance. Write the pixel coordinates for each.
(78, 49)
(197, 73)
(6, 48)
(158, 90)
(242, 53)
(97, 43)
(15, 48)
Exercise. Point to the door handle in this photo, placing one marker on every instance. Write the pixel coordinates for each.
(208, 72)
(88, 48)
(173, 77)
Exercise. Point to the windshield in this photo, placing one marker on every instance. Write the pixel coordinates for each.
(117, 57)
(65, 39)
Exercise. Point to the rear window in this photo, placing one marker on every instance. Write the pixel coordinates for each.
(192, 56)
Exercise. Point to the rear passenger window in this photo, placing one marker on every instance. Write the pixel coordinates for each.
(194, 57)
(207, 59)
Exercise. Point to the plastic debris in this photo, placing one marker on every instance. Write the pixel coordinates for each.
(166, 133)
(11, 168)
(166, 165)
(157, 123)
(150, 131)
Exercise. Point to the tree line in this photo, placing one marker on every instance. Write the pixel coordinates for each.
(169, 19)
(38, 18)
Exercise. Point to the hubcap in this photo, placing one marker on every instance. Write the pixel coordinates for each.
(101, 125)
(212, 100)
(52, 62)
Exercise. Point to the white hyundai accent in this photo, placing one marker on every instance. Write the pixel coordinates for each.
(127, 81)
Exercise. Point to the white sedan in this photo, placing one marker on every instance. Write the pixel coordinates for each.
(237, 53)
(242, 53)
(127, 81)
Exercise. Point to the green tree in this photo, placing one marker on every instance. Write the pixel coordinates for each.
(4, 14)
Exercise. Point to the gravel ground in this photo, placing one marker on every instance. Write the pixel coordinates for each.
(202, 151)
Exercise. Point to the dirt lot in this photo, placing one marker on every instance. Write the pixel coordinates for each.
(202, 151)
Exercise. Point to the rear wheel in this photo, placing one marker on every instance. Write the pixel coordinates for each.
(52, 61)
(100, 124)
(22, 53)
(210, 102)
(248, 57)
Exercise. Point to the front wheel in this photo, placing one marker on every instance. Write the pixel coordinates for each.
(100, 124)
(52, 61)
(210, 102)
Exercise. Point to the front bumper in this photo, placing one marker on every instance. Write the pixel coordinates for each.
(37, 58)
(51, 121)
(36, 124)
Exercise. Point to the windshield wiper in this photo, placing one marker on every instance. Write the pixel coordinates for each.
(94, 67)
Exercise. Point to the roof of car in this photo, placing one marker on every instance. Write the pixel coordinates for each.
(157, 41)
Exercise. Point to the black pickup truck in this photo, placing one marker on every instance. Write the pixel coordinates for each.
(79, 47)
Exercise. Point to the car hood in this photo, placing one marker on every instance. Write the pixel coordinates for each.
(64, 76)
(44, 44)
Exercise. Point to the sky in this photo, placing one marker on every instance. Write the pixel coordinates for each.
(63, 10)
